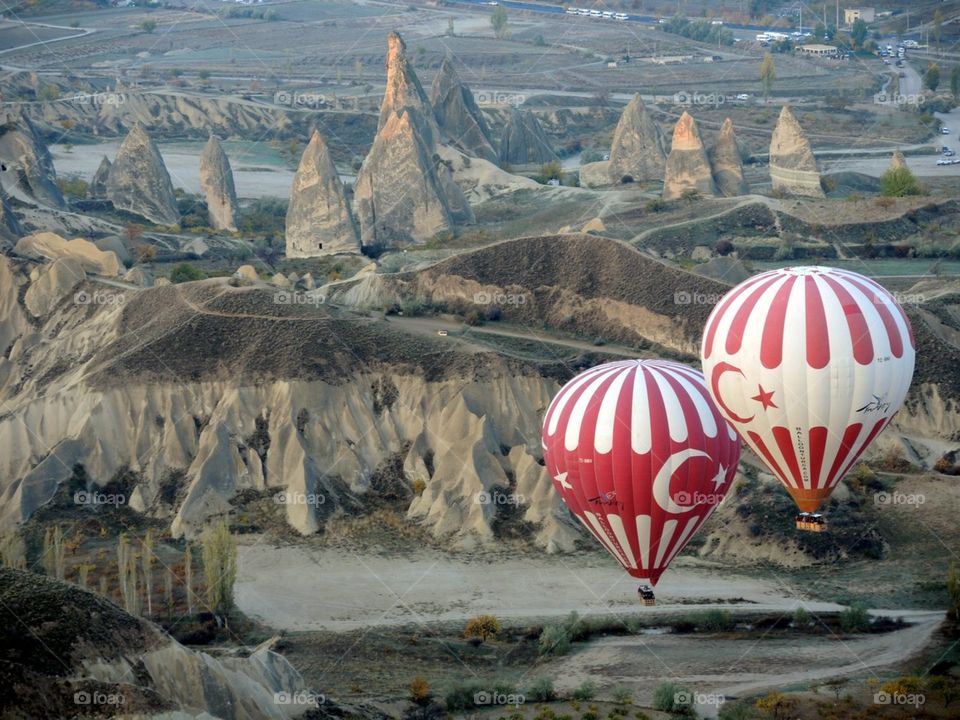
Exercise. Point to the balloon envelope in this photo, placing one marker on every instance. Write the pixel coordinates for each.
(641, 456)
(808, 364)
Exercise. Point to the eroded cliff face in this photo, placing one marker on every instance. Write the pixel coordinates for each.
(209, 433)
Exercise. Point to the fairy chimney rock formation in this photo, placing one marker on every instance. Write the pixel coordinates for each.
(216, 181)
(458, 115)
(139, 182)
(727, 164)
(638, 152)
(319, 221)
(688, 168)
(793, 169)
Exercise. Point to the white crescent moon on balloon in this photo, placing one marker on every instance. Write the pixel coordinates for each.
(718, 372)
(661, 484)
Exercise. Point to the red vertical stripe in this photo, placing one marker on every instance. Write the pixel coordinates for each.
(849, 437)
(739, 324)
(856, 323)
(818, 336)
(717, 315)
(771, 344)
(889, 324)
(784, 439)
(818, 444)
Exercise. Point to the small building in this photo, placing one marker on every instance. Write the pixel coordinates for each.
(817, 50)
(867, 14)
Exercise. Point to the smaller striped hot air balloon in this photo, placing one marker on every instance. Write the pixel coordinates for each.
(641, 457)
(809, 365)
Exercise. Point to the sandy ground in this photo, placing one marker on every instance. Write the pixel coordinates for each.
(300, 588)
(734, 667)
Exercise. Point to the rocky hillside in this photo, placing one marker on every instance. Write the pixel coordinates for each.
(616, 294)
(205, 390)
(71, 653)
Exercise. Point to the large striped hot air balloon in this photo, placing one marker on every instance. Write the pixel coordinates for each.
(808, 364)
(641, 456)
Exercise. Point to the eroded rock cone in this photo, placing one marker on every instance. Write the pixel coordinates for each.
(793, 169)
(524, 142)
(216, 181)
(727, 164)
(688, 168)
(458, 115)
(400, 195)
(404, 93)
(319, 221)
(139, 182)
(98, 185)
(26, 166)
(638, 152)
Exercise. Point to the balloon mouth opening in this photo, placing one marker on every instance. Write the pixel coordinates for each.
(809, 501)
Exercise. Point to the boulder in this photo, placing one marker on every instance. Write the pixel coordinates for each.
(139, 182)
(688, 168)
(726, 163)
(319, 220)
(524, 142)
(216, 182)
(50, 246)
(638, 152)
(458, 116)
(793, 169)
(247, 272)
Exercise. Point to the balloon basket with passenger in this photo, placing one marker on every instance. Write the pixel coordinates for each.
(811, 522)
(645, 596)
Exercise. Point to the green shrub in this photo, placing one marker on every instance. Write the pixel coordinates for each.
(899, 182)
(715, 620)
(586, 691)
(554, 640)
(541, 690)
(185, 272)
(855, 618)
(622, 696)
(460, 695)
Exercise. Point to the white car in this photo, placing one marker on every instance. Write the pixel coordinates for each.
(743, 96)
(944, 131)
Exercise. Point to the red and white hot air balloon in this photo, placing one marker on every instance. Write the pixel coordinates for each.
(808, 364)
(641, 456)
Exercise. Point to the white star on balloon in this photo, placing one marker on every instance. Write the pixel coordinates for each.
(562, 479)
(720, 478)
